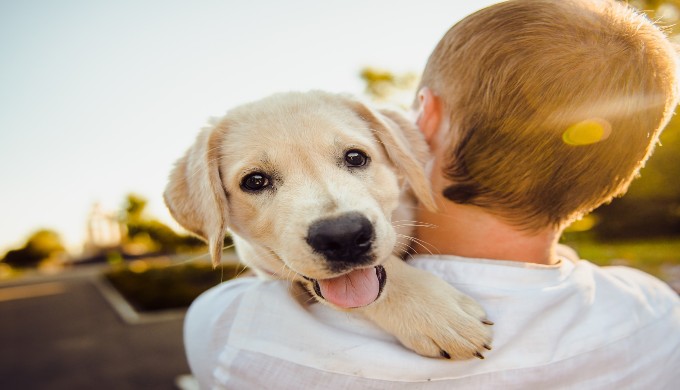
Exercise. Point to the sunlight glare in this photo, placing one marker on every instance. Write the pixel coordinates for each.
(587, 132)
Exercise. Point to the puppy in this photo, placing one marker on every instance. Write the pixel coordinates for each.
(317, 188)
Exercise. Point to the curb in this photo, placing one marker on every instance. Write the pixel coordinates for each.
(126, 312)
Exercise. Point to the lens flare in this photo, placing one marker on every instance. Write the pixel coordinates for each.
(587, 132)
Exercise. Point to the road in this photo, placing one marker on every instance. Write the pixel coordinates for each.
(61, 333)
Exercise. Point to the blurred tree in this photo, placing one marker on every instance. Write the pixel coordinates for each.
(145, 234)
(134, 207)
(385, 86)
(41, 245)
(652, 205)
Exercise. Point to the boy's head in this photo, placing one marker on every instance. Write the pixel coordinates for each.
(552, 106)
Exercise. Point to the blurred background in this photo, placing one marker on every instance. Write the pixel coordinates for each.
(97, 101)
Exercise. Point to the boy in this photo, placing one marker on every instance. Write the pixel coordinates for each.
(536, 111)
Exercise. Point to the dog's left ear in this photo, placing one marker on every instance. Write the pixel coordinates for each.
(195, 195)
(404, 145)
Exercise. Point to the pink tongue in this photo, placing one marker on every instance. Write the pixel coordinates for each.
(355, 289)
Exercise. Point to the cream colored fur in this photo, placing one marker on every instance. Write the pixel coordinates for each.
(299, 139)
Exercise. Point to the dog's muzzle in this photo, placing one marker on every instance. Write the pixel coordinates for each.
(345, 242)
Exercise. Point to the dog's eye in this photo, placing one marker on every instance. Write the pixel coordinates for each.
(355, 158)
(255, 182)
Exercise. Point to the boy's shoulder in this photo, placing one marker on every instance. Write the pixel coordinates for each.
(640, 288)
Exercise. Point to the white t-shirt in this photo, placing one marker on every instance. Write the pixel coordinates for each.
(572, 325)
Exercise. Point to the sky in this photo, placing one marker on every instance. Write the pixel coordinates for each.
(99, 98)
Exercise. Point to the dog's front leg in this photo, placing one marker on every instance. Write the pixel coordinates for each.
(429, 315)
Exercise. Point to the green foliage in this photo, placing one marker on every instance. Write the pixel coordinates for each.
(383, 85)
(41, 245)
(629, 218)
(651, 208)
(148, 287)
(657, 180)
(152, 235)
(134, 208)
(161, 238)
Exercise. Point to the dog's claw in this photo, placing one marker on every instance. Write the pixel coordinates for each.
(479, 355)
(487, 347)
(444, 354)
(487, 322)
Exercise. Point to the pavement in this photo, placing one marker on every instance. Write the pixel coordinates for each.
(62, 332)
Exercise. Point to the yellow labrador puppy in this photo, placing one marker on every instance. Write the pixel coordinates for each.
(309, 186)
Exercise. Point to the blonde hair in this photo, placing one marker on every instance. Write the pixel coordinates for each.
(554, 106)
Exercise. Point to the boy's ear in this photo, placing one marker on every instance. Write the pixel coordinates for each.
(429, 115)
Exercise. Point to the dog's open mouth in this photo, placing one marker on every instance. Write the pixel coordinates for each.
(354, 289)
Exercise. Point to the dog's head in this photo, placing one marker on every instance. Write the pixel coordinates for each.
(309, 179)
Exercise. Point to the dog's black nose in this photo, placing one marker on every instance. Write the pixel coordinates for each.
(346, 238)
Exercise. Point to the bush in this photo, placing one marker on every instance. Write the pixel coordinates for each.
(41, 245)
(153, 287)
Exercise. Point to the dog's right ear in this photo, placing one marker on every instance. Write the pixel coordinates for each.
(195, 195)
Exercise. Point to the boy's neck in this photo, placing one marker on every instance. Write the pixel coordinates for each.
(470, 231)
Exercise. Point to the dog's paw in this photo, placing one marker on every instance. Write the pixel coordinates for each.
(454, 327)
(430, 316)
